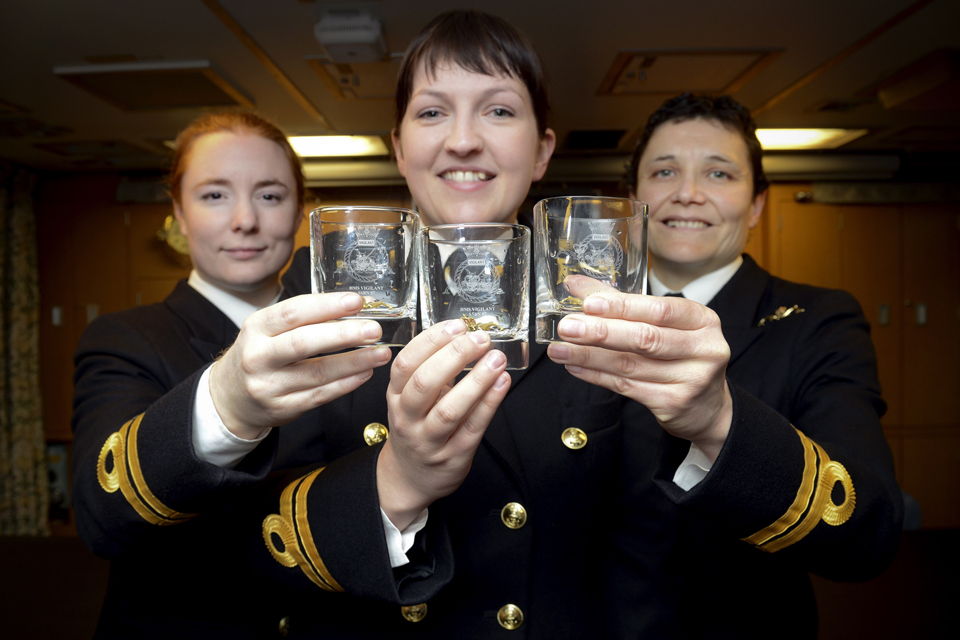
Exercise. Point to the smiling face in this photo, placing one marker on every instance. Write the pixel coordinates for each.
(695, 175)
(238, 209)
(468, 146)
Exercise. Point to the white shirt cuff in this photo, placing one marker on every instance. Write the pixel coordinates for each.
(212, 441)
(398, 543)
(693, 469)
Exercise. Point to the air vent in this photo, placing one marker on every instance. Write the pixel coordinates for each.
(672, 72)
(152, 86)
(350, 36)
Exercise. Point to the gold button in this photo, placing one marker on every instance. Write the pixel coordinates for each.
(375, 433)
(284, 626)
(510, 617)
(415, 612)
(574, 438)
(514, 515)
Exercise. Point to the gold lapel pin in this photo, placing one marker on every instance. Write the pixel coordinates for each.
(780, 314)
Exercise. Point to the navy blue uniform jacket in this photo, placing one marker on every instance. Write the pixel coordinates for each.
(610, 546)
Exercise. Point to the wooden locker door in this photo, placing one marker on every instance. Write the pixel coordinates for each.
(808, 243)
(871, 270)
(931, 356)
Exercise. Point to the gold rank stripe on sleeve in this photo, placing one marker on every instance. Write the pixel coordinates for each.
(813, 503)
(292, 528)
(120, 450)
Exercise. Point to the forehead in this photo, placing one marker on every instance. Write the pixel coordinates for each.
(220, 147)
(697, 137)
(449, 73)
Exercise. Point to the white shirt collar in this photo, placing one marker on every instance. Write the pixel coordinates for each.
(233, 307)
(704, 288)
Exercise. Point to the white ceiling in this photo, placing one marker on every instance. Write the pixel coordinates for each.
(578, 40)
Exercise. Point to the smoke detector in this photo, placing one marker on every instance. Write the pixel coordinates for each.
(350, 36)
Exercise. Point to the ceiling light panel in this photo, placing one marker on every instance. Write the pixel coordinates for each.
(338, 146)
(785, 139)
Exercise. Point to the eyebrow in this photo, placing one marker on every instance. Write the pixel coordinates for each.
(713, 158)
(492, 91)
(223, 182)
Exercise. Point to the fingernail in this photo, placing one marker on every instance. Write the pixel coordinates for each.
(351, 301)
(571, 327)
(370, 330)
(382, 355)
(495, 360)
(596, 305)
(574, 369)
(480, 337)
(502, 381)
(559, 352)
(455, 327)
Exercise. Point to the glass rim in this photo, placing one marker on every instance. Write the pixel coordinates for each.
(475, 225)
(350, 207)
(602, 198)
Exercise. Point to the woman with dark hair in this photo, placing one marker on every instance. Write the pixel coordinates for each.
(238, 193)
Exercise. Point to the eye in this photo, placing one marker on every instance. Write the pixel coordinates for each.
(663, 173)
(722, 175)
(272, 197)
(213, 195)
(501, 112)
(428, 114)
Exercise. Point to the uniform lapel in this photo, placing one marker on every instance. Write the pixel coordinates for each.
(211, 330)
(736, 304)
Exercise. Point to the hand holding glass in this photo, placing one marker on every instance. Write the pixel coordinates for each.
(371, 251)
(602, 238)
(479, 273)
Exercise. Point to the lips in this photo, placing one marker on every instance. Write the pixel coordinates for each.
(243, 253)
(466, 176)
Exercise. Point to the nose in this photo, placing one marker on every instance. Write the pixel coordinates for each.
(465, 138)
(688, 190)
(245, 218)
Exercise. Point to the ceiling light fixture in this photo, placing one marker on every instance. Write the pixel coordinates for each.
(338, 146)
(793, 139)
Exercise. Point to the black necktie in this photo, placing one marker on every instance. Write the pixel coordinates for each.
(673, 295)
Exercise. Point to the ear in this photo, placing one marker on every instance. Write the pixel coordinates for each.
(545, 149)
(181, 220)
(757, 209)
(398, 151)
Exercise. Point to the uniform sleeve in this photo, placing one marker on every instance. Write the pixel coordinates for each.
(325, 533)
(135, 472)
(814, 485)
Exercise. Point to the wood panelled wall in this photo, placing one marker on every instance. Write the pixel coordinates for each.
(96, 255)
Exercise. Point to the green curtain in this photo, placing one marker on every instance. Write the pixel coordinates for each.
(24, 492)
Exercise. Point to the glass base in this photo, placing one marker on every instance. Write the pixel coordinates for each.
(547, 327)
(517, 352)
(396, 331)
